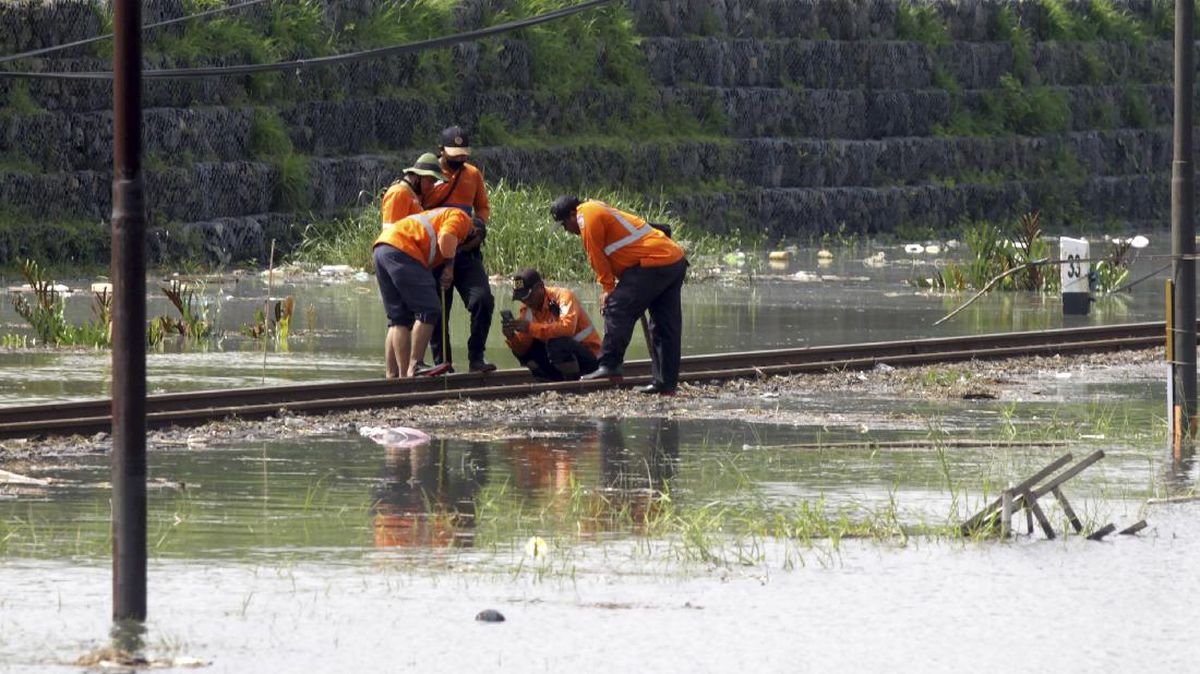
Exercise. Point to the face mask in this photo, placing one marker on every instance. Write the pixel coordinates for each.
(455, 164)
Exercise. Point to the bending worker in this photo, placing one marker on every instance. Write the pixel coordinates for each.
(463, 188)
(552, 336)
(401, 200)
(404, 254)
(639, 268)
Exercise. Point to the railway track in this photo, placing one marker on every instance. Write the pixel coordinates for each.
(192, 408)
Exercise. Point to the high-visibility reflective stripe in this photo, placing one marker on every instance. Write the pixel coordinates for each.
(584, 334)
(635, 233)
(426, 219)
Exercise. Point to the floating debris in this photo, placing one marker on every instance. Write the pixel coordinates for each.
(399, 437)
(536, 547)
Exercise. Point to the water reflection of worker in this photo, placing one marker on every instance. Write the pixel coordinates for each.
(636, 477)
(422, 502)
(552, 336)
(545, 465)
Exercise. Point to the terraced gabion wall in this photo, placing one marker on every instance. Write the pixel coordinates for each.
(793, 118)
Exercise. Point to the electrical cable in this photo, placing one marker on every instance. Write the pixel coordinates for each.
(300, 64)
(100, 38)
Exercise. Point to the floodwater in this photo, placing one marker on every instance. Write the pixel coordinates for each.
(642, 544)
(627, 544)
(338, 325)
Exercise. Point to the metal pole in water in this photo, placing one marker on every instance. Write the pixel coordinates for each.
(1183, 230)
(129, 319)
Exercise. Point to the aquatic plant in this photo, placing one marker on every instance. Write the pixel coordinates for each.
(46, 314)
(277, 327)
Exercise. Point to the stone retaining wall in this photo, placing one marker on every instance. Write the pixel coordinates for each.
(811, 115)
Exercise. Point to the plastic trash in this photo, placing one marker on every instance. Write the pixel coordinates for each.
(395, 436)
(335, 270)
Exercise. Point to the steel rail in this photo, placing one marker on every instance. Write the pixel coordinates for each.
(191, 408)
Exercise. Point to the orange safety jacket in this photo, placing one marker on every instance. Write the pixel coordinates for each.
(462, 189)
(417, 234)
(559, 316)
(615, 241)
(399, 202)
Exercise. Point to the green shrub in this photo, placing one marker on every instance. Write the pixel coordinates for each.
(1135, 108)
(268, 134)
(1113, 23)
(1007, 28)
(293, 186)
(520, 233)
(1056, 22)
(921, 23)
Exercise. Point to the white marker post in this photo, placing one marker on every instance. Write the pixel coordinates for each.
(1074, 272)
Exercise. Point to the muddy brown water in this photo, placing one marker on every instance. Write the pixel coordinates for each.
(330, 552)
(338, 325)
(660, 545)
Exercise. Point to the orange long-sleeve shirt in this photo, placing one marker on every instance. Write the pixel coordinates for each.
(560, 315)
(412, 236)
(399, 202)
(468, 191)
(615, 241)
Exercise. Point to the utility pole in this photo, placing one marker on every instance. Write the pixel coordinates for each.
(1183, 232)
(129, 319)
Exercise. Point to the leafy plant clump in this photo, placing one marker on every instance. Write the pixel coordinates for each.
(46, 314)
(520, 233)
(921, 23)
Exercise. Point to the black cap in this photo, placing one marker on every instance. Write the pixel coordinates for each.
(561, 208)
(455, 141)
(524, 282)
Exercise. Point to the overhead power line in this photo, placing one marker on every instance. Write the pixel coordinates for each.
(106, 36)
(302, 64)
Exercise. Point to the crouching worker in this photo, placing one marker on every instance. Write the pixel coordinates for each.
(404, 255)
(553, 335)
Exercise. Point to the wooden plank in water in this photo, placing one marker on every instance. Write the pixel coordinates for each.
(1069, 473)
(1099, 534)
(973, 523)
(1070, 512)
(1041, 516)
(1133, 528)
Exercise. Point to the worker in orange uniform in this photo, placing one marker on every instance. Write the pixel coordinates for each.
(404, 255)
(401, 200)
(552, 336)
(463, 188)
(640, 268)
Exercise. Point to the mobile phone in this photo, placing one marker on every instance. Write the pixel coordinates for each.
(506, 314)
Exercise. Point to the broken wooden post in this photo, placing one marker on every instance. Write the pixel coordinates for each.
(1025, 496)
(1133, 528)
(1103, 531)
(974, 523)
(1005, 513)
(1068, 510)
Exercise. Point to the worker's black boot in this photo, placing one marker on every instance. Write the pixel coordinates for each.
(605, 372)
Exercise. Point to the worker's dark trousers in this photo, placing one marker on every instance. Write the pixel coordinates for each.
(543, 358)
(471, 282)
(656, 289)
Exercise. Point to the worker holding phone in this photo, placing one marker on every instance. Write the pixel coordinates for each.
(553, 335)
